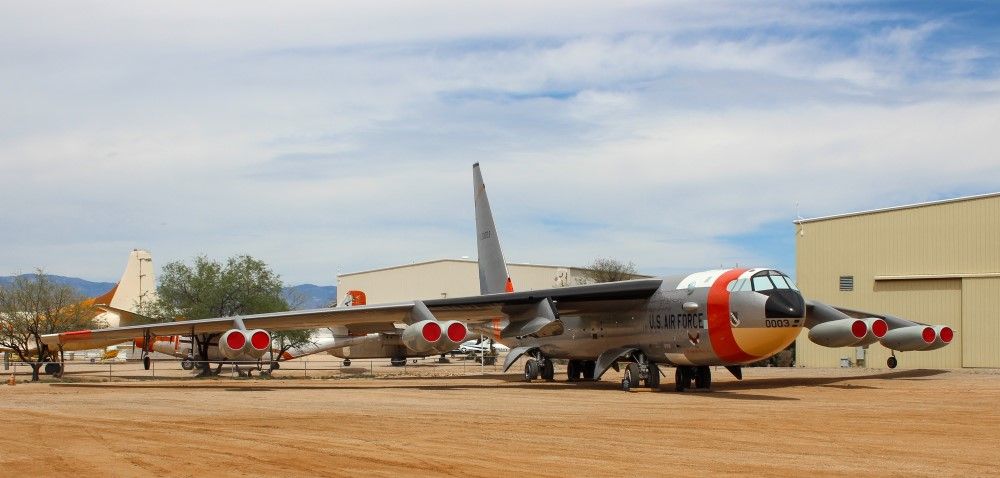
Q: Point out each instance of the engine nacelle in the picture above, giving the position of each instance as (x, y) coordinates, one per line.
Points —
(911, 338)
(840, 333)
(236, 344)
(232, 343)
(431, 336)
(453, 336)
(422, 336)
(943, 336)
(877, 328)
(258, 344)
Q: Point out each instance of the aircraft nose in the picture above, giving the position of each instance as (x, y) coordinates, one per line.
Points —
(784, 304)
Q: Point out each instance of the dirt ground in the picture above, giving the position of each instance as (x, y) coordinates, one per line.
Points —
(457, 421)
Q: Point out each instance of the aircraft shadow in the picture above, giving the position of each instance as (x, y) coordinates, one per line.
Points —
(832, 382)
(729, 390)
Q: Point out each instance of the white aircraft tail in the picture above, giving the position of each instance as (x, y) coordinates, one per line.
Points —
(493, 275)
(136, 287)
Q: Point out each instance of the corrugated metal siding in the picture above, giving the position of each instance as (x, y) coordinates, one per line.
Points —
(980, 322)
(954, 238)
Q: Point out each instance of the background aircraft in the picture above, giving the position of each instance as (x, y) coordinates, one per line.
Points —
(136, 285)
(728, 317)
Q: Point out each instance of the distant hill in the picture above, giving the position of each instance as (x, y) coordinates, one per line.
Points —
(84, 287)
(311, 296)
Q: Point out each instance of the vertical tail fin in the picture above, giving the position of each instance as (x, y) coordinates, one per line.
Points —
(493, 276)
(138, 283)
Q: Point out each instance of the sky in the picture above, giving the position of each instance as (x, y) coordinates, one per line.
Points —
(332, 137)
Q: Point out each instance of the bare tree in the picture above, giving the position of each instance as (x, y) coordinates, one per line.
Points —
(609, 270)
(31, 306)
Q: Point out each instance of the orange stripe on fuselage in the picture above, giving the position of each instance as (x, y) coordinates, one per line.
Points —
(720, 332)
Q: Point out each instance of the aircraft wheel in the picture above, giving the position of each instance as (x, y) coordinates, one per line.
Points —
(53, 369)
(147, 362)
(530, 370)
(631, 378)
(547, 370)
(347, 362)
(588, 369)
(572, 370)
(398, 362)
(703, 377)
(892, 362)
(653, 380)
(187, 364)
(679, 383)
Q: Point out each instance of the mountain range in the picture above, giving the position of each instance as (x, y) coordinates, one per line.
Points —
(302, 296)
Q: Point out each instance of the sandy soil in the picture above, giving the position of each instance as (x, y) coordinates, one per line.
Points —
(455, 421)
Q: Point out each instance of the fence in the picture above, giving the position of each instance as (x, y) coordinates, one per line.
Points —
(307, 367)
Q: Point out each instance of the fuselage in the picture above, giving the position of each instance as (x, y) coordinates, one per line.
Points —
(718, 317)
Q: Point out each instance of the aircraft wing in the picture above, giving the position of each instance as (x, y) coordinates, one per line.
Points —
(360, 320)
(374, 318)
(818, 312)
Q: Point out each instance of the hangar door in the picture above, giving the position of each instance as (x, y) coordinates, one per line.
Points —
(931, 301)
(980, 329)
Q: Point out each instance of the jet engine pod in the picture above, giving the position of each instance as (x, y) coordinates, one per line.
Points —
(914, 337)
(877, 329)
(259, 343)
(840, 333)
(453, 336)
(422, 336)
(232, 343)
(944, 336)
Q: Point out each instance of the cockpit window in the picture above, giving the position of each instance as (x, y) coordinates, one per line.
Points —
(771, 279)
(762, 283)
(738, 285)
(779, 282)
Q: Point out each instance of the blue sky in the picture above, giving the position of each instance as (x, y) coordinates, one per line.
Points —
(339, 136)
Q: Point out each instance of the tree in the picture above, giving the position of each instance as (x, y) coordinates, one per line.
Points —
(243, 285)
(285, 340)
(33, 305)
(609, 270)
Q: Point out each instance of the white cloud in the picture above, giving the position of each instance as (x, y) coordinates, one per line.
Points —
(326, 138)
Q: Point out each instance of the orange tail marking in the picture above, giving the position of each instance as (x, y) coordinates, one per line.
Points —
(510, 285)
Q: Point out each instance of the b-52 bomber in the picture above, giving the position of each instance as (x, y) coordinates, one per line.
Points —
(727, 317)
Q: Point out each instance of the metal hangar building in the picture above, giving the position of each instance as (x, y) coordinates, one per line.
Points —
(936, 262)
(444, 278)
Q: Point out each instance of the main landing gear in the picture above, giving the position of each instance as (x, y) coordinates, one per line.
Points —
(685, 374)
(641, 372)
(539, 366)
(577, 370)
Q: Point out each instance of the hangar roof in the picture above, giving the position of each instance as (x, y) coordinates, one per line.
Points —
(450, 260)
(896, 208)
